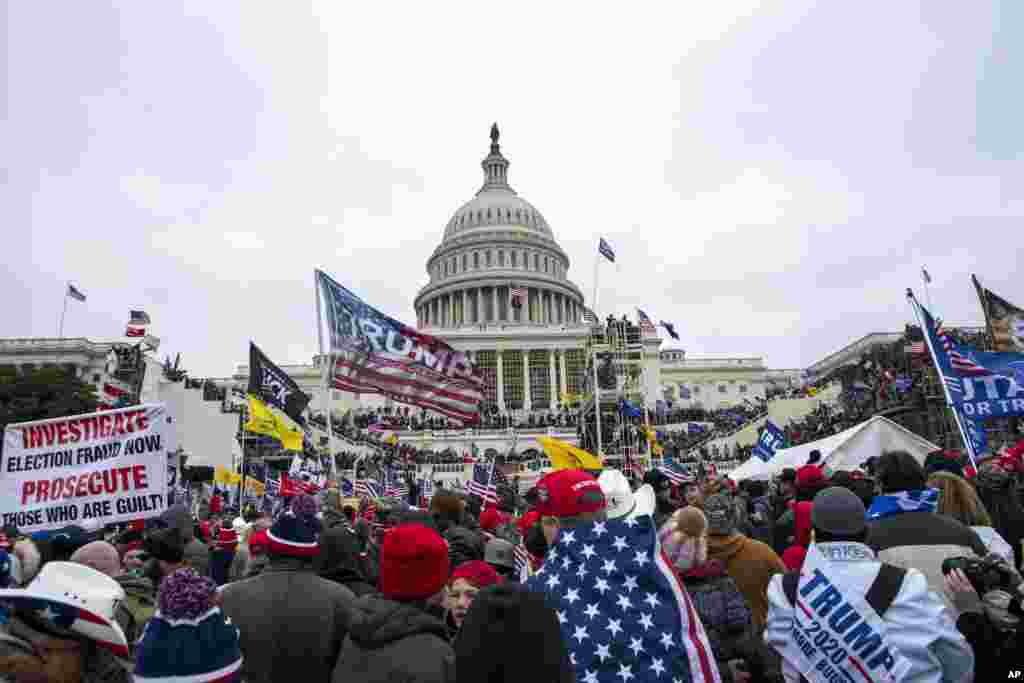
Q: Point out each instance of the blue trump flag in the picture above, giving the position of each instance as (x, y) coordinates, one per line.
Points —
(980, 384)
(771, 440)
(372, 353)
(623, 611)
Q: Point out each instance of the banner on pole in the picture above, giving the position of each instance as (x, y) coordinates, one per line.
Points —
(109, 467)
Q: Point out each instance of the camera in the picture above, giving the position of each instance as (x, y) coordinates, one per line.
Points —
(985, 575)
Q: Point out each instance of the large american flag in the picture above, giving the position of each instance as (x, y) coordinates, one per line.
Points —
(961, 362)
(482, 484)
(624, 614)
(373, 353)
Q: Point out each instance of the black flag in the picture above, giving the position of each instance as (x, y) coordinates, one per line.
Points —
(274, 387)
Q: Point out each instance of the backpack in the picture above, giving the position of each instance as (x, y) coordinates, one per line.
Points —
(880, 596)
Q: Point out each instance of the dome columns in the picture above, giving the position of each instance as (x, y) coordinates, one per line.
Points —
(490, 304)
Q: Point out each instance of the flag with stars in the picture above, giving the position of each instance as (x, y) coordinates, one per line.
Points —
(624, 614)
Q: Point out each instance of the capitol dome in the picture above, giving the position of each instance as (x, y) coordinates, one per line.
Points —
(498, 262)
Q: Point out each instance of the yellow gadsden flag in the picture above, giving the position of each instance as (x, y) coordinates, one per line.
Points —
(565, 456)
(263, 420)
(222, 475)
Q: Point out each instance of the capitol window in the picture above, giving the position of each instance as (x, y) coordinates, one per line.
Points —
(488, 259)
(464, 262)
(476, 259)
(536, 261)
(721, 388)
(696, 391)
(743, 388)
(512, 256)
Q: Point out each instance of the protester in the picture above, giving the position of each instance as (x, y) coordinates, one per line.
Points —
(189, 639)
(222, 555)
(341, 561)
(290, 619)
(166, 551)
(913, 621)
(500, 555)
(567, 498)
(750, 563)
(722, 609)
(45, 641)
(468, 579)
(662, 486)
(959, 500)
(903, 527)
(451, 521)
(621, 500)
(996, 491)
(482, 648)
(794, 555)
(197, 554)
(393, 636)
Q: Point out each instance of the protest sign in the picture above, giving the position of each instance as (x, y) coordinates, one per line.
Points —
(837, 636)
(109, 467)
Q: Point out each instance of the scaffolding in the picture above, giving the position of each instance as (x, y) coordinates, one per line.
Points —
(615, 373)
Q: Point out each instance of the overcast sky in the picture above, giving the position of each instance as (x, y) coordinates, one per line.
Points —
(772, 175)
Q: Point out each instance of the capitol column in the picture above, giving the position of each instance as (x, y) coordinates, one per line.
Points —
(501, 382)
(527, 399)
(494, 300)
(563, 308)
(553, 392)
(465, 301)
(564, 372)
(477, 305)
(451, 309)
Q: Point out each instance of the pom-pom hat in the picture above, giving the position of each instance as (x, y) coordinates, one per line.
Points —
(74, 599)
(413, 563)
(188, 640)
(295, 536)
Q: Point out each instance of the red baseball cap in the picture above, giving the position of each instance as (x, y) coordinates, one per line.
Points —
(567, 493)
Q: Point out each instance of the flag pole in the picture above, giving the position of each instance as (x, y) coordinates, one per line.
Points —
(64, 310)
(925, 278)
(968, 443)
(979, 289)
(593, 360)
(325, 391)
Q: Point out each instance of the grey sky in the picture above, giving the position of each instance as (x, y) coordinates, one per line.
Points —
(772, 175)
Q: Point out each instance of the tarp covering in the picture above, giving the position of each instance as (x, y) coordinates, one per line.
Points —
(843, 451)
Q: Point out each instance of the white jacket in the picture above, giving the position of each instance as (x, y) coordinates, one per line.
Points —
(918, 623)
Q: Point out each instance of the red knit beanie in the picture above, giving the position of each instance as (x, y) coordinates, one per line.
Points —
(478, 573)
(413, 563)
(527, 521)
(491, 519)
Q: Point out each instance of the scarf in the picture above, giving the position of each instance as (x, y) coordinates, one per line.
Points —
(887, 505)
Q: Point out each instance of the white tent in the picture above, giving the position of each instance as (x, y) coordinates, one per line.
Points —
(843, 451)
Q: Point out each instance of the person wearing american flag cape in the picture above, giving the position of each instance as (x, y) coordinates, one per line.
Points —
(623, 611)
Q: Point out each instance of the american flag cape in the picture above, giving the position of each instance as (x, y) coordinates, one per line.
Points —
(623, 611)
(373, 353)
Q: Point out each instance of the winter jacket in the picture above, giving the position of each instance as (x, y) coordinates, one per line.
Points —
(291, 622)
(240, 564)
(917, 623)
(394, 641)
(751, 564)
(722, 609)
(922, 540)
(138, 607)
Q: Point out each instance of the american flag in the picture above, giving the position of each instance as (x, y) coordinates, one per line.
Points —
(396, 488)
(135, 331)
(918, 348)
(675, 474)
(624, 614)
(522, 560)
(605, 250)
(140, 318)
(482, 484)
(646, 326)
(961, 362)
(396, 361)
(517, 295)
(368, 488)
(589, 317)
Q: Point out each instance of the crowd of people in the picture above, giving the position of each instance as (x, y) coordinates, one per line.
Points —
(331, 590)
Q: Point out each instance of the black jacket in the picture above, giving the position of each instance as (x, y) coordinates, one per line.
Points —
(394, 641)
(463, 545)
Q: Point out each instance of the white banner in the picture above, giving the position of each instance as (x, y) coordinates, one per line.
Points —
(109, 466)
(837, 636)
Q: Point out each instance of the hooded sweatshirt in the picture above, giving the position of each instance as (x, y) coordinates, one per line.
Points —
(394, 641)
(751, 564)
